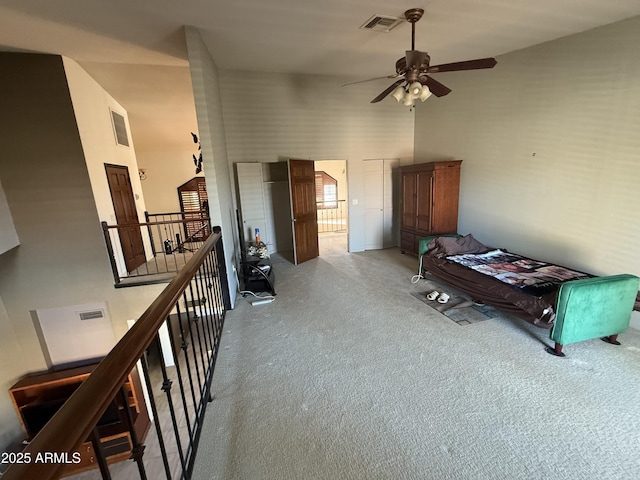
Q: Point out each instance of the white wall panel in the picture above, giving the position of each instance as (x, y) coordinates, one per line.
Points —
(8, 235)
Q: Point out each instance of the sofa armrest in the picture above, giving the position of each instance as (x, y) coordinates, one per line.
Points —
(594, 308)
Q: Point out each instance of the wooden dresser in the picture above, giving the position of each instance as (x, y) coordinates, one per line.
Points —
(38, 397)
(430, 194)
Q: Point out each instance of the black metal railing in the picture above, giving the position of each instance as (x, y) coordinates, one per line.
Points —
(168, 239)
(177, 227)
(177, 377)
(332, 216)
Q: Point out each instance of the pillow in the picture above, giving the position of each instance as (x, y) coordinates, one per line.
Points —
(445, 246)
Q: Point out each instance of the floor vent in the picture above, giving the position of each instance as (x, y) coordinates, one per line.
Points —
(382, 23)
(120, 129)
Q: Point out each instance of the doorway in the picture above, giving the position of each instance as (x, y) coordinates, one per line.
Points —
(126, 213)
(332, 206)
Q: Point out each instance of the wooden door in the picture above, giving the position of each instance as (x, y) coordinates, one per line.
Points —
(126, 216)
(302, 191)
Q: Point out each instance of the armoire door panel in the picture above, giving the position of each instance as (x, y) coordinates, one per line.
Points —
(409, 200)
(445, 200)
(424, 202)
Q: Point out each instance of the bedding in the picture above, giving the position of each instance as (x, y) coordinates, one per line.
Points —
(530, 276)
(519, 285)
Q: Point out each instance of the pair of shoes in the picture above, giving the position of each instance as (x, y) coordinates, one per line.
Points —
(442, 297)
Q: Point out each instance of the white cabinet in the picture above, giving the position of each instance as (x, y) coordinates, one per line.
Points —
(264, 204)
(252, 202)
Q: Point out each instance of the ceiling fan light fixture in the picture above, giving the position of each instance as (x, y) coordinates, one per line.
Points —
(408, 100)
(398, 93)
(426, 93)
(415, 89)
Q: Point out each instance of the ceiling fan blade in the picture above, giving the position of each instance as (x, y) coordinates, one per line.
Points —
(438, 89)
(386, 92)
(466, 65)
(395, 75)
(415, 58)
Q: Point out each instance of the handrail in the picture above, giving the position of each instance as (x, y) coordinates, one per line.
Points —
(176, 213)
(167, 222)
(74, 422)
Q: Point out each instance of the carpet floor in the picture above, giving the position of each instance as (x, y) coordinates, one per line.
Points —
(346, 376)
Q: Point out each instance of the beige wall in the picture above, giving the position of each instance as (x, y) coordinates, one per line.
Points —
(166, 171)
(271, 117)
(551, 148)
(61, 259)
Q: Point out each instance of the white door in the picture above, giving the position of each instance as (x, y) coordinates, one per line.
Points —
(380, 181)
(374, 204)
(252, 205)
(390, 187)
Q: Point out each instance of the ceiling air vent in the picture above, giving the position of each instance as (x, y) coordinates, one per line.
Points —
(120, 129)
(91, 314)
(382, 23)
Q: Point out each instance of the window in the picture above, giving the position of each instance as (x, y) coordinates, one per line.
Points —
(194, 204)
(326, 191)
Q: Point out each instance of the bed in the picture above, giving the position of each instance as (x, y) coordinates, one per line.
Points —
(574, 305)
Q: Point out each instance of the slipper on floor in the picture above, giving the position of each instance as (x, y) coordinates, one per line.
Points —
(433, 295)
(443, 298)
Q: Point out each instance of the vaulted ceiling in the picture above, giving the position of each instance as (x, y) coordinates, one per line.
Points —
(136, 48)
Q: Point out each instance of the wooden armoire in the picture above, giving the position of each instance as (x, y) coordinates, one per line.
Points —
(430, 194)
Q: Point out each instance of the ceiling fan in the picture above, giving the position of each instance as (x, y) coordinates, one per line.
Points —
(415, 83)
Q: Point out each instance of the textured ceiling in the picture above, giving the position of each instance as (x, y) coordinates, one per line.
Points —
(136, 49)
